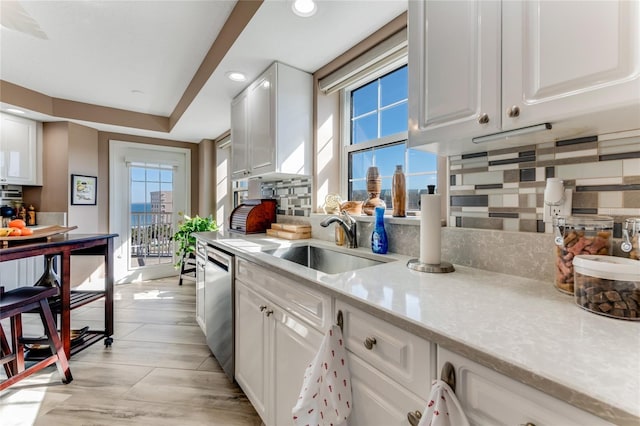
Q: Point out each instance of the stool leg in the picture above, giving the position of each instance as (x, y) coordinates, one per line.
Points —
(54, 341)
(6, 351)
(16, 343)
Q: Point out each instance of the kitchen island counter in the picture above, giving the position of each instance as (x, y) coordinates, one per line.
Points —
(516, 326)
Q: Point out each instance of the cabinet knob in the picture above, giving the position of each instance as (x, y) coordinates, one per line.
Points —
(269, 312)
(514, 111)
(262, 307)
(483, 119)
(369, 342)
(528, 424)
(414, 417)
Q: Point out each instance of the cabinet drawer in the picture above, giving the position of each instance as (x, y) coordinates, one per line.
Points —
(491, 398)
(408, 359)
(378, 400)
(295, 298)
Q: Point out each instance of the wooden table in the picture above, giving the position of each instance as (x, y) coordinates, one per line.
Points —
(65, 246)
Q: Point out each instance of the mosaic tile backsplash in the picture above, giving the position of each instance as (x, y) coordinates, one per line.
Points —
(293, 195)
(503, 189)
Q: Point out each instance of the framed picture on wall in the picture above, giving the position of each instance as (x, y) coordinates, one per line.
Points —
(83, 190)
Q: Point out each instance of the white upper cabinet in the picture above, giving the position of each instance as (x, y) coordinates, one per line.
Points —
(240, 136)
(19, 151)
(271, 125)
(454, 69)
(479, 68)
(562, 59)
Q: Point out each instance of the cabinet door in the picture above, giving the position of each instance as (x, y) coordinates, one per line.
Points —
(377, 400)
(200, 289)
(294, 346)
(566, 58)
(454, 70)
(239, 136)
(18, 155)
(262, 124)
(251, 346)
(490, 398)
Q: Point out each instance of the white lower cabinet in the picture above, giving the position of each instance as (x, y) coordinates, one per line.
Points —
(21, 272)
(490, 398)
(391, 369)
(273, 345)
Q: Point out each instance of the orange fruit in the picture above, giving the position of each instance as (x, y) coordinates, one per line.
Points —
(26, 231)
(17, 223)
(15, 232)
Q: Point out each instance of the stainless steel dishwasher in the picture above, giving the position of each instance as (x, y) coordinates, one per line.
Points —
(219, 307)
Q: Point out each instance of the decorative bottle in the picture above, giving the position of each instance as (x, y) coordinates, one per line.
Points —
(379, 243)
(399, 192)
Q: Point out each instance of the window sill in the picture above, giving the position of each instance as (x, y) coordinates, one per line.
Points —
(388, 219)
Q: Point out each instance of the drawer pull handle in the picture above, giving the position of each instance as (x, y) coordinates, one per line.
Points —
(448, 375)
(414, 417)
(269, 312)
(263, 307)
(369, 342)
(483, 119)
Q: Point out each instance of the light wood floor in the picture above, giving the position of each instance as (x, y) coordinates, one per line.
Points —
(159, 370)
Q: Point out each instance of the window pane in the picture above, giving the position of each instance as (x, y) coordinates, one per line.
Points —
(153, 175)
(166, 187)
(364, 99)
(137, 192)
(393, 87)
(417, 185)
(388, 157)
(364, 129)
(137, 174)
(421, 161)
(166, 175)
(151, 187)
(358, 190)
(386, 191)
(394, 120)
(360, 162)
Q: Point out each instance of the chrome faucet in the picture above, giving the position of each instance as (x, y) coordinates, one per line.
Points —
(348, 224)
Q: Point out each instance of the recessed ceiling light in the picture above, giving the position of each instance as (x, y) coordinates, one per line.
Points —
(236, 76)
(15, 111)
(304, 8)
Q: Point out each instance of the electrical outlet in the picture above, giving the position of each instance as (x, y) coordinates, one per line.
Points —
(563, 209)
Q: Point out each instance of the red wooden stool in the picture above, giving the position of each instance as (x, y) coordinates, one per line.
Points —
(13, 304)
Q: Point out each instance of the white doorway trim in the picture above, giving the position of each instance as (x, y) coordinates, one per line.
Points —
(121, 153)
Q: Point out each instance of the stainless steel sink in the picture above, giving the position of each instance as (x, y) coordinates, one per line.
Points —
(323, 259)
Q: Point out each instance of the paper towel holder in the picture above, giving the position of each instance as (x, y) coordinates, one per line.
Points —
(442, 267)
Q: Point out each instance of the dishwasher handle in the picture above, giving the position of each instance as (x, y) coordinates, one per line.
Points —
(221, 260)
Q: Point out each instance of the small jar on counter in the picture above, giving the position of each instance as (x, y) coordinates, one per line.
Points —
(631, 238)
(576, 235)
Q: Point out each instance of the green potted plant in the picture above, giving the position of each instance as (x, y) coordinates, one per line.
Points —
(185, 242)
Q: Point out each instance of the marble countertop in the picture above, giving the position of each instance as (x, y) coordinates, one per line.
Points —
(520, 327)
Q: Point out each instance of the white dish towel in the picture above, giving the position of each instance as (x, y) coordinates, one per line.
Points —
(443, 408)
(325, 397)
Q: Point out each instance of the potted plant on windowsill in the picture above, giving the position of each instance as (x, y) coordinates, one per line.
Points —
(185, 242)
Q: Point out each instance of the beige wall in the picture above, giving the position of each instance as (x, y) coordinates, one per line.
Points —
(207, 169)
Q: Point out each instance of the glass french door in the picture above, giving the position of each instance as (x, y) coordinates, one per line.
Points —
(149, 193)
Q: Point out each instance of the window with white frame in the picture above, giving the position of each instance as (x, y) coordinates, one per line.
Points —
(375, 134)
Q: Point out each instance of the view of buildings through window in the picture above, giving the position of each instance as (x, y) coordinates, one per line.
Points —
(379, 120)
(151, 205)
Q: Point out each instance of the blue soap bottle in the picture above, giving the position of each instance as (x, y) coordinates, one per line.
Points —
(379, 243)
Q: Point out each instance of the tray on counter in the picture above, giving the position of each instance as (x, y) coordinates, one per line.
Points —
(41, 233)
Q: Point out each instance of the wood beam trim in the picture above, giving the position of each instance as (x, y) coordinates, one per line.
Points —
(238, 19)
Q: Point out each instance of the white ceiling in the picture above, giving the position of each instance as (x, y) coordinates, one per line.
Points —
(103, 52)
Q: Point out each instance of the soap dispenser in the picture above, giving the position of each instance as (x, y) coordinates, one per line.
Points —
(379, 242)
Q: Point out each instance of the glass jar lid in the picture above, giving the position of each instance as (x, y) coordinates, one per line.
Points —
(586, 222)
